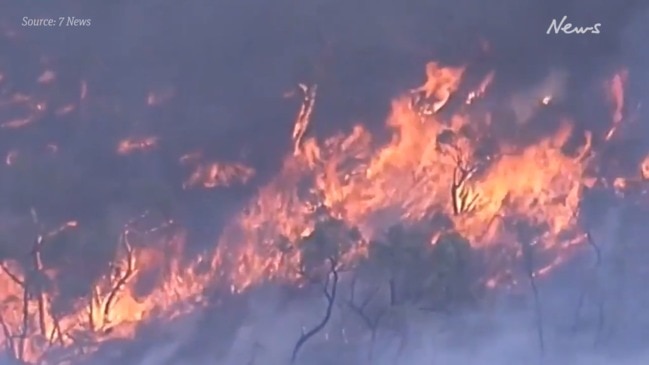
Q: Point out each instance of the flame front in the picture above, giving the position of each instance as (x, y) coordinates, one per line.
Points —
(433, 165)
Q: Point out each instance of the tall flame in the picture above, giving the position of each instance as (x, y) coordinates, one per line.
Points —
(432, 165)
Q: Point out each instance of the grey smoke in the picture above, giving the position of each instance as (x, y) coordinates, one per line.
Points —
(242, 55)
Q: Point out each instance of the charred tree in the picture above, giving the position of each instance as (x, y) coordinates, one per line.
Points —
(371, 321)
(329, 290)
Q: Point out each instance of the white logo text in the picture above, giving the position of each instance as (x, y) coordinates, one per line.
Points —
(568, 28)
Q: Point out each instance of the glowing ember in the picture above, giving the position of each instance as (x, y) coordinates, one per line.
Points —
(218, 175)
(129, 146)
(47, 77)
(440, 84)
(616, 95)
(480, 91)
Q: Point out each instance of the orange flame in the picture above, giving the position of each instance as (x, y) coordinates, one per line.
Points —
(352, 184)
(426, 167)
(616, 95)
(440, 84)
(130, 145)
(218, 175)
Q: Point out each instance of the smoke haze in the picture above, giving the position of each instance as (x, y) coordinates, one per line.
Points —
(224, 69)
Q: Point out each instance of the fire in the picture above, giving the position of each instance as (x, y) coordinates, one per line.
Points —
(440, 84)
(17, 123)
(213, 175)
(304, 116)
(46, 77)
(351, 183)
(616, 95)
(130, 145)
(429, 166)
(482, 88)
(546, 100)
(31, 110)
(113, 309)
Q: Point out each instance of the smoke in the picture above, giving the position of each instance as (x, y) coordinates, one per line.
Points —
(593, 312)
(506, 335)
(526, 104)
(230, 62)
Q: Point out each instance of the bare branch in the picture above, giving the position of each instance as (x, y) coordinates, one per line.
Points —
(596, 249)
(459, 196)
(372, 323)
(12, 276)
(393, 292)
(36, 283)
(583, 292)
(25, 324)
(122, 278)
(92, 302)
(330, 295)
(528, 257)
(8, 336)
(359, 309)
(303, 119)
